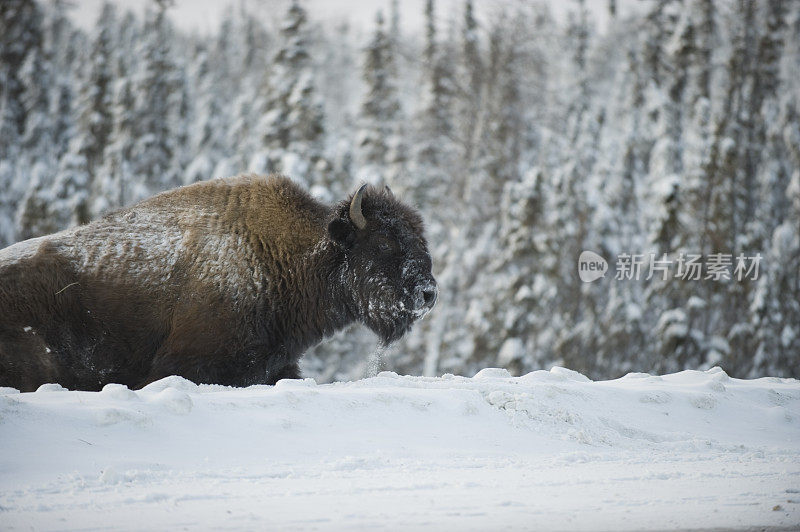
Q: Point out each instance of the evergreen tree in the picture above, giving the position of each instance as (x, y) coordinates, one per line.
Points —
(775, 157)
(20, 36)
(435, 150)
(34, 216)
(208, 143)
(529, 138)
(119, 185)
(504, 126)
(61, 44)
(36, 166)
(71, 202)
(157, 83)
(291, 126)
(94, 114)
(35, 76)
(471, 85)
(380, 108)
(517, 268)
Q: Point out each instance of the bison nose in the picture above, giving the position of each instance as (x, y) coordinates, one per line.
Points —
(430, 296)
(425, 296)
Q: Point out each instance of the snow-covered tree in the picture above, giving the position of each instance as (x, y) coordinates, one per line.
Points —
(292, 122)
(380, 108)
(20, 36)
(208, 144)
(435, 150)
(94, 122)
(523, 137)
(157, 82)
(471, 85)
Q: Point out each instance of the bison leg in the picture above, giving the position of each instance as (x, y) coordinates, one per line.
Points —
(25, 360)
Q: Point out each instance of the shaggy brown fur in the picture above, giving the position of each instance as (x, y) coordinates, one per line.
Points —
(226, 281)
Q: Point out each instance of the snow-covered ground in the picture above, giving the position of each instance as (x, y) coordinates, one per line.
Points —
(550, 450)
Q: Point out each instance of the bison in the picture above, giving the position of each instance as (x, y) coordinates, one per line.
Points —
(226, 281)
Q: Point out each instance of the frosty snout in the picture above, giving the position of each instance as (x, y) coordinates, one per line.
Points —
(425, 295)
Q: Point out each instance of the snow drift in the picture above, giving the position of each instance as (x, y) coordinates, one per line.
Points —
(549, 450)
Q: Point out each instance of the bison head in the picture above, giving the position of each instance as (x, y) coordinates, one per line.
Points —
(386, 268)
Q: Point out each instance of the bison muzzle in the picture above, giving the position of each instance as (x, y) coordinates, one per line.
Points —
(226, 281)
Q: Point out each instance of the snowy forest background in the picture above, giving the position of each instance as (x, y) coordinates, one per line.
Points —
(523, 137)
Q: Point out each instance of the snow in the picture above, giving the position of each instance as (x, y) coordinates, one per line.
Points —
(527, 134)
(548, 450)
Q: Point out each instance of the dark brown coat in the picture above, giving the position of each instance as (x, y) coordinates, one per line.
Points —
(226, 281)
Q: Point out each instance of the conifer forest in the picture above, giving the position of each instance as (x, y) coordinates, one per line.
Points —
(665, 140)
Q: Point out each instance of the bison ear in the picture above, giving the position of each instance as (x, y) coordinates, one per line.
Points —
(342, 232)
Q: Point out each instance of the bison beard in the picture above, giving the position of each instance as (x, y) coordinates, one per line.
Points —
(226, 281)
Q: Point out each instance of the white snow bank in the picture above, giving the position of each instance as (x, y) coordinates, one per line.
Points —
(549, 450)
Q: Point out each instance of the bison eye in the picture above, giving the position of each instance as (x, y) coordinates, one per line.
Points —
(384, 247)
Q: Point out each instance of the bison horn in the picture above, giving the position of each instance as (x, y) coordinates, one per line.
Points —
(356, 216)
(388, 190)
